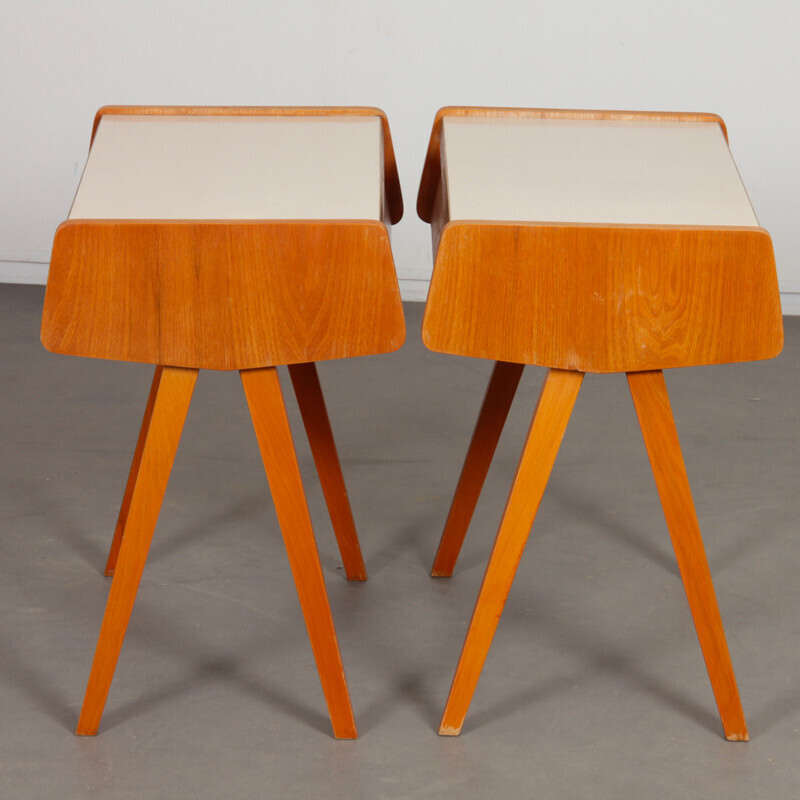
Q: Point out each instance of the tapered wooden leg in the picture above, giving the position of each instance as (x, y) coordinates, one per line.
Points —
(265, 399)
(171, 403)
(541, 447)
(650, 397)
(318, 429)
(119, 531)
(494, 410)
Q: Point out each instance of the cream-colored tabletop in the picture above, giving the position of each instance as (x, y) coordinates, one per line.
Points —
(233, 167)
(626, 172)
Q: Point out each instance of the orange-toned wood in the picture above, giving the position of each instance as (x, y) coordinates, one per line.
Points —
(650, 397)
(432, 171)
(394, 198)
(541, 447)
(604, 299)
(491, 419)
(172, 400)
(323, 448)
(265, 399)
(119, 531)
(222, 295)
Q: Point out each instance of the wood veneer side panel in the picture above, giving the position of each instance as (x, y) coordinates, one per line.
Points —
(432, 170)
(604, 299)
(222, 296)
(394, 196)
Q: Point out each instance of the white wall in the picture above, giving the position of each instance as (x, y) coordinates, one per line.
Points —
(63, 59)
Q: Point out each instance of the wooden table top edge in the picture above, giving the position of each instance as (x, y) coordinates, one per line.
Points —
(478, 223)
(394, 196)
(82, 221)
(431, 171)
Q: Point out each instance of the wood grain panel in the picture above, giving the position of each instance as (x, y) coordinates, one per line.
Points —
(222, 295)
(394, 197)
(604, 299)
(432, 171)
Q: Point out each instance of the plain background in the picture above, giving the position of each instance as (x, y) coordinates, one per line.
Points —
(64, 59)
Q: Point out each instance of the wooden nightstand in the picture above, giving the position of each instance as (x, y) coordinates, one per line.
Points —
(230, 239)
(589, 241)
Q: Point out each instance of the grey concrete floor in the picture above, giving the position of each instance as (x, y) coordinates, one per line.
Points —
(594, 687)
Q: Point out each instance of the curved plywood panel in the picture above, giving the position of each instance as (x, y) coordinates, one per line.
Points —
(222, 295)
(604, 299)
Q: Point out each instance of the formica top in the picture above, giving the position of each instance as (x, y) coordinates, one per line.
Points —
(233, 167)
(616, 172)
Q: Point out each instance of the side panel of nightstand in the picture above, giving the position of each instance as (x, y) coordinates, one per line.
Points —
(604, 299)
(222, 295)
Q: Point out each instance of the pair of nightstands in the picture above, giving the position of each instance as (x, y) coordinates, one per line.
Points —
(247, 238)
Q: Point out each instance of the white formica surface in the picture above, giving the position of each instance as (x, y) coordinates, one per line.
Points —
(237, 167)
(592, 171)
